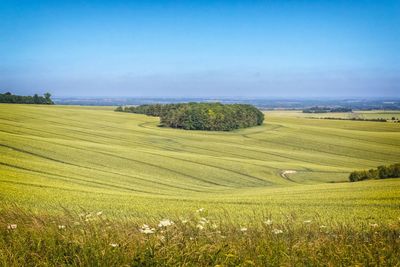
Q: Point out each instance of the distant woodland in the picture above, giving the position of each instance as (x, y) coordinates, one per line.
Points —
(201, 116)
(326, 110)
(19, 99)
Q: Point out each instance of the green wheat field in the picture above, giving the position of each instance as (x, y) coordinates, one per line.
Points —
(78, 183)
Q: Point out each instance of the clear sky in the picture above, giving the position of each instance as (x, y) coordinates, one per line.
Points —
(201, 48)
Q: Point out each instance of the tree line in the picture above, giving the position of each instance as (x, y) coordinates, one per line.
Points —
(202, 116)
(382, 172)
(155, 110)
(19, 99)
(326, 110)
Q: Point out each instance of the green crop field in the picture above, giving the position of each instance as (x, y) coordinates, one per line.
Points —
(86, 160)
(92, 157)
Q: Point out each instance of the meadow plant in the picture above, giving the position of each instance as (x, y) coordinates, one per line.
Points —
(40, 240)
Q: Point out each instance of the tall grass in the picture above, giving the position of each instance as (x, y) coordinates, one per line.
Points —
(90, 158)
(91, 239)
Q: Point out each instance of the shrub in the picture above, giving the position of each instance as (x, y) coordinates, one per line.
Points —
(382, 172)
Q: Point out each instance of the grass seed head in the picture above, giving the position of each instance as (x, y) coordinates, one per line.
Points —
(12, 226)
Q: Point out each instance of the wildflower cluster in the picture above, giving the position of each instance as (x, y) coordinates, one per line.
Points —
(194, 238)
(145, 229)
(165, 223)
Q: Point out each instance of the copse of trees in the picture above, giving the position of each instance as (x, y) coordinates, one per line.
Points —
(212, 117)
(382, 172)
(202, 116)
(18, 99)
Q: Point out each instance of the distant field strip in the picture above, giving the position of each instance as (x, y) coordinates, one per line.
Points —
(96, 158)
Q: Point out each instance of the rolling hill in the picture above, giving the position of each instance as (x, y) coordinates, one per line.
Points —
(95, 159)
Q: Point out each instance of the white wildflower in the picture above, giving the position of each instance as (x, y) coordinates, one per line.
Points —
(268, 222)
(200, 226)
(307, 221)
(203, 221)
(200, 210)
(146, 229)
(114, 245)
(322, 226)
(165, 223)
(277, 231)
(374, 225)
(99, 213)
(243, 229)
(12, 226)
(61, 226)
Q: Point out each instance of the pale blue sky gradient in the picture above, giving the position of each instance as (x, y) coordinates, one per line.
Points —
(201, 48)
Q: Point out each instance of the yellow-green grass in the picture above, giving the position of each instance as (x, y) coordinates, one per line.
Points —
(77, 183)
(91, 239)
(91, 158)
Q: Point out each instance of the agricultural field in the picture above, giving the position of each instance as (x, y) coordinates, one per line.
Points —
(64, 163)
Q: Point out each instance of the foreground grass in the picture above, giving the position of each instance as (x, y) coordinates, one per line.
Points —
(91, 239)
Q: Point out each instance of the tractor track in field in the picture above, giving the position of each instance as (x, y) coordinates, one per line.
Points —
(142, 125)
(284, 175)
(130, 159)
(193, 177)
(248, 136)
(95, 169)
(216, 167)
(78, 180)
(300, 147)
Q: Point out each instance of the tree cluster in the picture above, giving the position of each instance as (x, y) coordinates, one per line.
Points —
(382, 172)
(202, 116)
(326, 110)
(19, 99)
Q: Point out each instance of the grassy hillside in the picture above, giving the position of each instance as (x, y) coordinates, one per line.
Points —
(77, 183)
(94, 158)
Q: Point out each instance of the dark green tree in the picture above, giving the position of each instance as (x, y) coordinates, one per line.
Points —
(202, 116)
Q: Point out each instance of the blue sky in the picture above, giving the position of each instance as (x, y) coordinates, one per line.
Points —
(201, 48)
